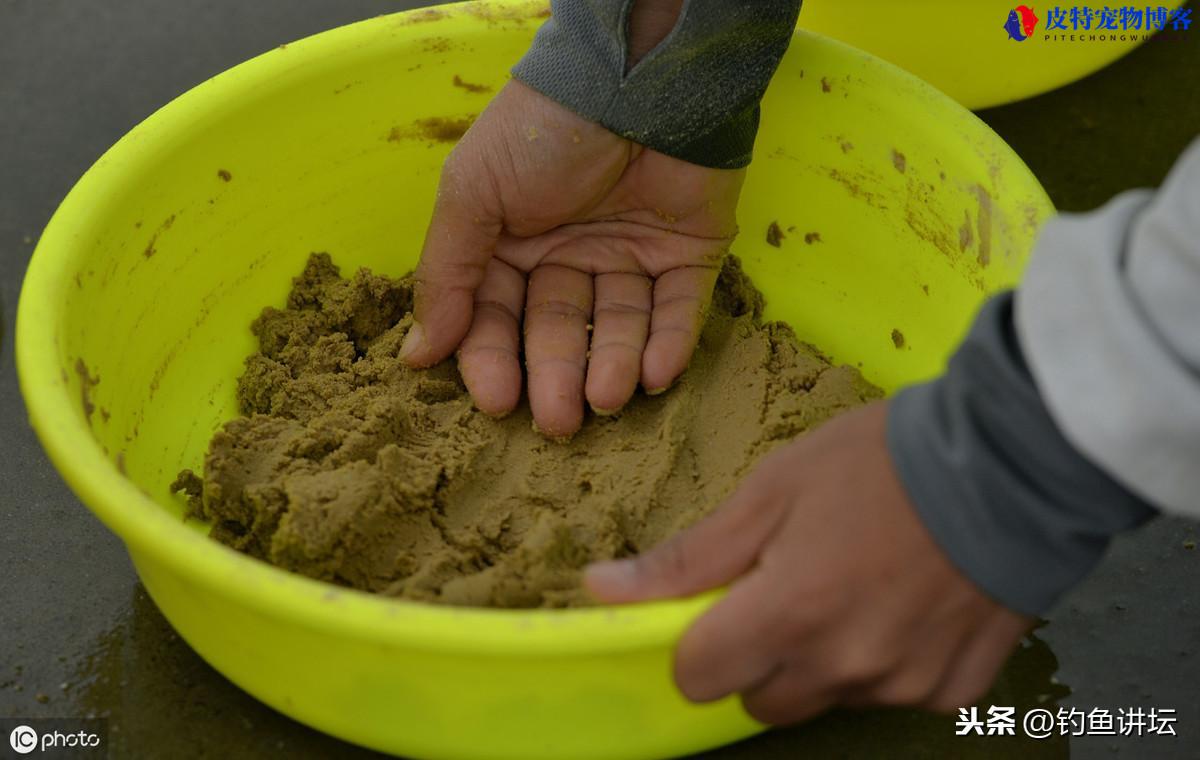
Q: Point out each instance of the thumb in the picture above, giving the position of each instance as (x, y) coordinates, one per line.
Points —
(459, 243)
(712, 553)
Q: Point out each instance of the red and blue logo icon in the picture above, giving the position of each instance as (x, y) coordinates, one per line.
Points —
(1021, 23)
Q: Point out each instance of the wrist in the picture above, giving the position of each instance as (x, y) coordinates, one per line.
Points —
(1013, 505)
(697, 83)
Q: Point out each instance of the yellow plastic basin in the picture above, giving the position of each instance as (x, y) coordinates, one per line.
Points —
(962, 49)
(133, 325)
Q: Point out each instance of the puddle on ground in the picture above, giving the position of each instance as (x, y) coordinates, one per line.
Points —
(1025, 683)
(162, 699)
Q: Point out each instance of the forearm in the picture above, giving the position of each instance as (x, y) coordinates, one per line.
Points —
(694, 96)
(1072, 412)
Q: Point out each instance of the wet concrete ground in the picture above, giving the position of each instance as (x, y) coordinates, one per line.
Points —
(78, 635)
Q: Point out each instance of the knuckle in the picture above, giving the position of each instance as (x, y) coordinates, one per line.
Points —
(686, 299)
(682, 333)
(490, 305)
(812, 605)
(671, 560)
(620, 308)
(499, 353)
(858, 665)
(450, 274)
(911, 688)
(572, 365)
(799, 619)
(557, 307)
(616, 345)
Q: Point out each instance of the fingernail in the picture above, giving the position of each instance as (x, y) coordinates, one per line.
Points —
(613, 575)
(657, 391)
(495, 415)
(413, 341)
(551, 436)
(605, 412)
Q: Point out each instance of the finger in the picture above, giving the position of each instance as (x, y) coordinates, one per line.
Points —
(488, 358)
(681, 298)
(557, 310)
(788, 696)
(734, 646)
(914, 682)
(621, 324)
(458, 244)
(973, 672)
(711, 553)
(917, 662)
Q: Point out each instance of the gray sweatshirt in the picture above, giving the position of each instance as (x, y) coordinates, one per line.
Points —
(695, 96)
(1071, 411)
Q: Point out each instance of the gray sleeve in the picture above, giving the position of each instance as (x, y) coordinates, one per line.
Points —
(695, 96)
(1072, 410)
(1109, 317)
(1003, 493)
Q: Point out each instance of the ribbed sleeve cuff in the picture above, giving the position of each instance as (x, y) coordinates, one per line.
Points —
(1013, 505)
(694, 97)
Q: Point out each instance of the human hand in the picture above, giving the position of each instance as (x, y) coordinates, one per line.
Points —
(606, 251)
(839, 595)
